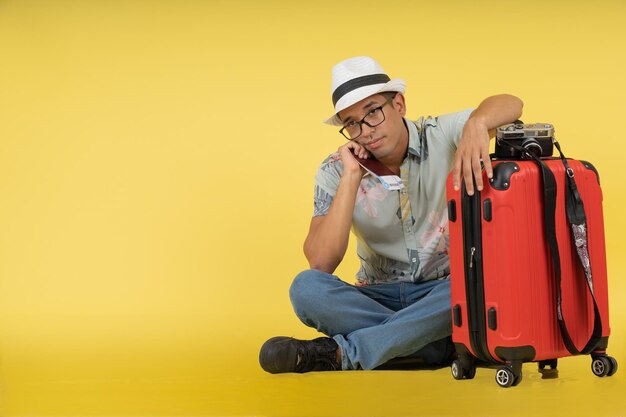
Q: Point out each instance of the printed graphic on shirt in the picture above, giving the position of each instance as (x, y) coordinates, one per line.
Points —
(321, 202)
(433, 240)
(367, 196)
(327, 178)
(435, 245)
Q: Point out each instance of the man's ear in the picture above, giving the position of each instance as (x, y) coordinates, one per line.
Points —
(399, 104)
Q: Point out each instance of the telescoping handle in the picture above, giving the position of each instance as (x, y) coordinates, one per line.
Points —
(578, 222)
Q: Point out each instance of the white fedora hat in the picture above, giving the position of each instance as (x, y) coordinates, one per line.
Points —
(357, 78)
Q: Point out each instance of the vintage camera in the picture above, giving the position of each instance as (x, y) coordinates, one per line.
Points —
(536, 138)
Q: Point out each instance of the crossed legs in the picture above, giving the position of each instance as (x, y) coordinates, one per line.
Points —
(376, 323)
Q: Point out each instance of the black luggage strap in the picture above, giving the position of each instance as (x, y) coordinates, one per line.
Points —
(577, 220)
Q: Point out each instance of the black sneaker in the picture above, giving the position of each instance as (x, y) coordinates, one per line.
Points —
(286, 354)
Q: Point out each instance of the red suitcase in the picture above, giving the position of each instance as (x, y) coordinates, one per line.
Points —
(504, 289)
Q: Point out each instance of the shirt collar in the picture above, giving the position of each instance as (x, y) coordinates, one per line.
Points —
(417, 133)
(414, 138)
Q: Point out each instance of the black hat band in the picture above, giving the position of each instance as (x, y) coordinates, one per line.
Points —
(358, 82)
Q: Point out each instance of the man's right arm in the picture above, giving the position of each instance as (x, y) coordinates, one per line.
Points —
(327, 241)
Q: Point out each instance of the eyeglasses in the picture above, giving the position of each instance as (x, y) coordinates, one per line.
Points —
(373, 118)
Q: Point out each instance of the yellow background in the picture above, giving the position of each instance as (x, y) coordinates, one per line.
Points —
(156, 177)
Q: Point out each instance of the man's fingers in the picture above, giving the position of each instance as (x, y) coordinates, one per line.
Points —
(350, 148)
(361, 152)
(484, 153)
(348, 159)
(476, 169)
(467, 176)
(357, 150)
(487, 164)
(467, 163)
(354, 148)
(456, 173)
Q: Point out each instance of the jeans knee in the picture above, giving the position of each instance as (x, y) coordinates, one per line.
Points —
(300, 287)
(305, 288)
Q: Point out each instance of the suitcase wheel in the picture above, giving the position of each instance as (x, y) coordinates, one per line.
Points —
(603, 365)
(460, 372)
(470, 373)
(613, 366)
(506, 378)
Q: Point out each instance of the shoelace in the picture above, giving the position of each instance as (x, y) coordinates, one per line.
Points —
(316, 358)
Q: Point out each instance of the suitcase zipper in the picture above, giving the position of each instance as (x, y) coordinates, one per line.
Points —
(474, 285)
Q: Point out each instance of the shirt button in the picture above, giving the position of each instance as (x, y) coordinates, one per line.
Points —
(414, 260)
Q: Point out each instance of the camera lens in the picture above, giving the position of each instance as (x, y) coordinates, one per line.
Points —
(532, 146)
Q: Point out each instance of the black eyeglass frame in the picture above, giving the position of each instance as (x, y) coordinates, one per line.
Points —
(362, 121)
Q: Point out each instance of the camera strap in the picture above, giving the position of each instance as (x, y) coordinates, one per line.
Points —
(577, 220)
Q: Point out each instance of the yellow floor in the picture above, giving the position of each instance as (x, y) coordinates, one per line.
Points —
(188, 382)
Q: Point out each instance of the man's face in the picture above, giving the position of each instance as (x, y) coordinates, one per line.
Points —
(385, 139)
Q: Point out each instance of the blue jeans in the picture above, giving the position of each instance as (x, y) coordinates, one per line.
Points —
(376, 323)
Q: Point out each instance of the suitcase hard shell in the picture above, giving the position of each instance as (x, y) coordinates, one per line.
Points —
(502, 279)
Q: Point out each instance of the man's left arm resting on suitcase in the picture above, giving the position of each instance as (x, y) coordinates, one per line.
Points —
(473, 147)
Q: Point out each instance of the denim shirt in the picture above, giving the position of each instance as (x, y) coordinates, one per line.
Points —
(402, 235)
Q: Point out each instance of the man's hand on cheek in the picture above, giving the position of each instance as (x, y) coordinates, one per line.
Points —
(347, 153)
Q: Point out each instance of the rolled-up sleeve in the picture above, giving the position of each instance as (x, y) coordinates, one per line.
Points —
(326, 184)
